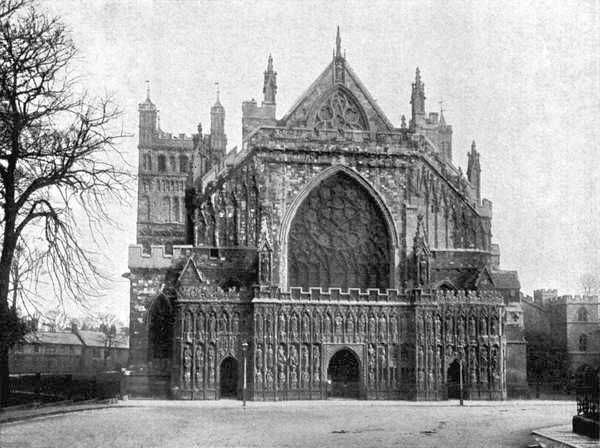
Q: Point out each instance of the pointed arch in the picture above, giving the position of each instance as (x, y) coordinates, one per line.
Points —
(292, 210)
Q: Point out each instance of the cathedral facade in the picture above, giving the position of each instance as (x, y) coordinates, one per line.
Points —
(333, 254)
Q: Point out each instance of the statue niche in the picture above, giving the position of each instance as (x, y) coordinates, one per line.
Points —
(339, 238)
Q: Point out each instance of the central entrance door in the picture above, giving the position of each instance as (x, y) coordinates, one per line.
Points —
(229, 378)
(344, 374)
(453, 380)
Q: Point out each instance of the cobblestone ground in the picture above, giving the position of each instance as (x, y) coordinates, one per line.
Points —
(145, 424)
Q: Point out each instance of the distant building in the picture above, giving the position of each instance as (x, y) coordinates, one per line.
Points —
(573, 321)
(64, 352)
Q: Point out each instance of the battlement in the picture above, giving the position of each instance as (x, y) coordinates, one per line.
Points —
(158, 258)
(355, 295)
(575, 299)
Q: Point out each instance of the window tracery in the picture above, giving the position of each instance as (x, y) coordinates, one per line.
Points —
(339, 238)
(340, 112)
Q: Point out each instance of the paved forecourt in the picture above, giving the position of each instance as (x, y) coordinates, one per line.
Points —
(293, 424)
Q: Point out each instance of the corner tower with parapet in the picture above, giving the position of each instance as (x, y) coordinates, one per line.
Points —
(334, 254)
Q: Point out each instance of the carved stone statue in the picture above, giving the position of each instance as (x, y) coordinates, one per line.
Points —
(472, 327)
(350, 328)
(259, 325)
(327, 327)
(393, 329)
(316, 365)
(187, 367)
(211, 365)
(200, 325)
(293, 366)
(281, 365)
(382, 327)
(235, 323)
(199, 365)
(483, 327)
(338, 326)
(437, 323)
(305, 326)
(294, 326)
(371, 363)
(270, 356)
(372, 329)
(212, 324)
(281, 326)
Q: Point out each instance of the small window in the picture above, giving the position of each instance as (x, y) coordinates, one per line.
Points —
(175, 209)
(162, 163)
(583, 342)
(36, 348)
(172, 163)
(582, 315)
(183, 164)
(148, 162)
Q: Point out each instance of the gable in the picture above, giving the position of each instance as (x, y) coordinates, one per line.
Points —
(484, 280)
(190, 275)
(337, 99)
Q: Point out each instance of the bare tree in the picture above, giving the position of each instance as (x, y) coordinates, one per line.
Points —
(58, 162)
(590, 284)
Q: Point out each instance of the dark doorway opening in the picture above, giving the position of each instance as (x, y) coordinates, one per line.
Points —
(453, 380)
(344, 374)
(229, 378)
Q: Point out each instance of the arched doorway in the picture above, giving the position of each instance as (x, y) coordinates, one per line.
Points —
(453, 380)
(343, 373)
(339, 238)
(228, 378)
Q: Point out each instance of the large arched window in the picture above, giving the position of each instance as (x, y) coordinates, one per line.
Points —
(583, 343)
(339, 238)
(582, 315)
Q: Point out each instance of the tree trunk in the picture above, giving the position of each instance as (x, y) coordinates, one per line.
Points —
(4, 378)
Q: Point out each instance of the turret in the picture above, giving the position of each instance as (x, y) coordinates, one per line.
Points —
(445, 137)
(339, 61)
(270, 84)
(218, 139)
(474, 171)
(148, 119)
(417, 101)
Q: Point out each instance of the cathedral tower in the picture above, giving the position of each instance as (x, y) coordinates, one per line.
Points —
(148, 118)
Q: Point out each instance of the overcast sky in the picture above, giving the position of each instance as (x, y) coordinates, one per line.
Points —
(520, 78)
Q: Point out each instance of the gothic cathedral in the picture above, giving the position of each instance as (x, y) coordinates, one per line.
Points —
(332, 255)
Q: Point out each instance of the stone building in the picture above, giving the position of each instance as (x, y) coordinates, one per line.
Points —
(572, 321)
(332, 254)
(82, 352)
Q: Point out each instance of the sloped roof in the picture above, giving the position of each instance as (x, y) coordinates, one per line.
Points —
(506, 279)
(93, 338)
(52, 337)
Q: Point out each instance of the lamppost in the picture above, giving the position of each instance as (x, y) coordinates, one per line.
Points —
(244, 351)
(460, 378)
